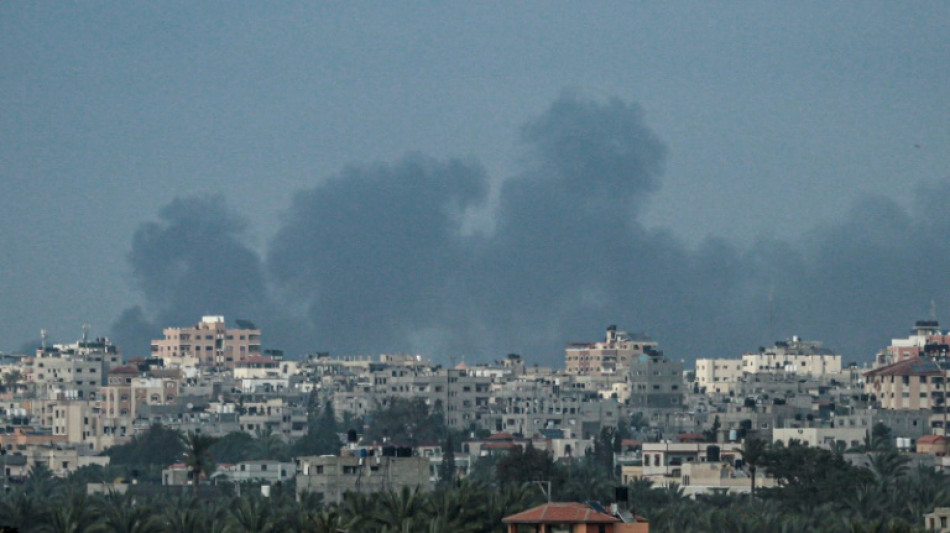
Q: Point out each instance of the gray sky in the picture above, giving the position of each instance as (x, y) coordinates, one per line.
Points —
(779, 127)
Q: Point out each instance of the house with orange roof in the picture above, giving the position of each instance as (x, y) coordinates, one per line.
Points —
(572, 517)
(933, 445)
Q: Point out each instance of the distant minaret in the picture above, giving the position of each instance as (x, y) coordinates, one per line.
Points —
(85, 332)
(933, 310)
(43, 337)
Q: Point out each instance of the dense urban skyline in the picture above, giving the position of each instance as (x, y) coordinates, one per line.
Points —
(476, 180)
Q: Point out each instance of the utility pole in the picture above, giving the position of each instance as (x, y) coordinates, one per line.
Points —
(545, 487)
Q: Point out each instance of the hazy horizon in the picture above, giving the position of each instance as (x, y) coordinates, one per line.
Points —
(470, 180)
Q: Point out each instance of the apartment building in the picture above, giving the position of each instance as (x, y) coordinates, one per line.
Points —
(611, 356)
(915, 383)
(793, 357)
(926, 336)
(655, 381)
(74, 370)
(210, 342)
(718, 375)
(273, 415)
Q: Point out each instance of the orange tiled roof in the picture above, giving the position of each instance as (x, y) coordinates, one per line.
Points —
(930, 439)
(561, 513)
(499, 446)
(504, 435)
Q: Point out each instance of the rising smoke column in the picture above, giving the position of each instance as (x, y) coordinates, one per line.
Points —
(375, 259)
(371, 256)
(191, 262)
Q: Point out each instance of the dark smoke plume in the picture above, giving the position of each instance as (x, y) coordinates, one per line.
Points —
(188, 264)
(376, 260)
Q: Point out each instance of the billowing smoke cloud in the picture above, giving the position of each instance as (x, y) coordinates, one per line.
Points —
(376, 260)
(190, 263)
(372, 256)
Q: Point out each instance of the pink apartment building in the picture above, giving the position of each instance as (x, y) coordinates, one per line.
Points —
(210, 343)
(612, 356)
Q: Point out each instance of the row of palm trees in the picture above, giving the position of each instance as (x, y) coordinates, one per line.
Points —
(894, 500)
(888, 496)
(463, 508)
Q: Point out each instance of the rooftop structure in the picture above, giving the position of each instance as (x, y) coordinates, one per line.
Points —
(612, 356)
(926, 338)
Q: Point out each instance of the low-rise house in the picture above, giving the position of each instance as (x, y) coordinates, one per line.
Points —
(177, 474)
(265, 471)
(332, 476)
(933, 445)
(22, 437)
(938, 520)
(821, 437)
(62, 461)
(573, 517)
(666, 459)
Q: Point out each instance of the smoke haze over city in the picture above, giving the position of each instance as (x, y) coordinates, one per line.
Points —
(365, 181)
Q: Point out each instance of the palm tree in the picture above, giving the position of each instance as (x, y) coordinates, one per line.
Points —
(72, 514)
(40, 481)
(586, 480)
(253, 514)
(359, 510)
(198, 456)
(888, 465)
(400, 508)
(23, 511)
(181, 515)
(320, 521)
(268, 445)
(753, 453)
(120, 513)
(508, 500)
(12, 379)
(456, 508)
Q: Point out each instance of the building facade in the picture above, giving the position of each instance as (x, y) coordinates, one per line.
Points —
(332, 476)
(209, 342)
(612, 356)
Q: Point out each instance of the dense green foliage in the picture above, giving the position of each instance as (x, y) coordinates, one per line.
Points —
(817, 490)
(233, 448)
(145, 455)
(322, 436)
(888, 497)
(407, 421)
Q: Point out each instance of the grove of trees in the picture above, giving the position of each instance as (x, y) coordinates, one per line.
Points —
(817, 490)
